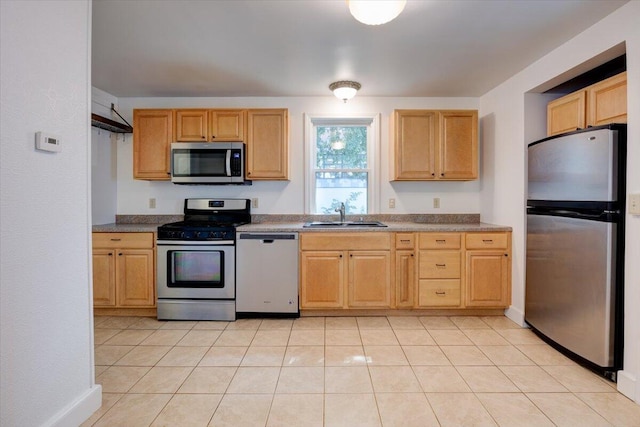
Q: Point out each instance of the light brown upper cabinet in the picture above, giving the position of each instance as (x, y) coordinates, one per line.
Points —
(193, 125)
(267, 144)
(152, 135)
(435, 145)
(607, 101)
(599, 104)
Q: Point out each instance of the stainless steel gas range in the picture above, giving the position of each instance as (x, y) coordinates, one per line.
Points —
(196, 278)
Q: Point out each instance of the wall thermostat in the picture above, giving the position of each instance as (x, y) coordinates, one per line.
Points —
(47, 142)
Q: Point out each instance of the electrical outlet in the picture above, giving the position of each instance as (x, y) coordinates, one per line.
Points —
(436, 202)
(152, 203)
(634, 204)
(254, 203)
(392, 203)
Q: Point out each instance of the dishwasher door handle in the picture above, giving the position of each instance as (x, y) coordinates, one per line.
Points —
(267, 237)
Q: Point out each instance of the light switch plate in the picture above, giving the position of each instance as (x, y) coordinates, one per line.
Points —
(634, 204)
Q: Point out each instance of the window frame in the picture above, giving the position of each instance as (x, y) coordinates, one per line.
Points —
(372, 121)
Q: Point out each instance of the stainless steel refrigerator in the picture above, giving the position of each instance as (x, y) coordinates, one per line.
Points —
(575, 244)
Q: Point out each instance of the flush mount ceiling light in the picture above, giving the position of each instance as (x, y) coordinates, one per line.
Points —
(344, 89)
(376, 12)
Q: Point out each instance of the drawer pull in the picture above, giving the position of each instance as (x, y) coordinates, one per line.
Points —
(440, 293)
(115, 240)
(441, 265)
(405, 241)
(441, 241)
(487, 240)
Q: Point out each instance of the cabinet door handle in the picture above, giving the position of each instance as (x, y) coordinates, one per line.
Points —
(110, 254)
(213, 136)
(411, 254)
(441, 174)
(120, 254)
(340, 255)
(115, 240)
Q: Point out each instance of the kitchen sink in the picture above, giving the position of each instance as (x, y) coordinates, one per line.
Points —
(348, 224)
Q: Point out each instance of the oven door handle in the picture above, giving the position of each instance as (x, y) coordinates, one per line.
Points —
(195, 242)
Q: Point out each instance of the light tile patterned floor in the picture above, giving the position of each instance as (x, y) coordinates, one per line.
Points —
(344, 371)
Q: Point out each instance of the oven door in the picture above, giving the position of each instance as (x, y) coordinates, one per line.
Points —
(196, 270)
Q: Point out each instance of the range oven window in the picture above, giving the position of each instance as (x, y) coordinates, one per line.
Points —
(195, 269)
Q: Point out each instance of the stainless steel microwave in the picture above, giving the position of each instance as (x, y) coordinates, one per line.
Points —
(207, 163)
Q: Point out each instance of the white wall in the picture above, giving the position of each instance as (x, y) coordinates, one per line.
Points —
(507, 126)
(103, 161)
(103, 176)
(45, 294)
(288, 197)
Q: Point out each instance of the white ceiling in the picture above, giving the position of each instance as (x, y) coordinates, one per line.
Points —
(219, 48)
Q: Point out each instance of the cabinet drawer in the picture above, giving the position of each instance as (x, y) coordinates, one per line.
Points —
(439, 293)
(439, 265)
(439, 240)
(486, 241)
(122, 240)
(345, 241)
(405, 240)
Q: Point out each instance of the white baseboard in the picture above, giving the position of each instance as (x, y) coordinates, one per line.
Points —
(627, 385)
(79, 410)
(515, 314)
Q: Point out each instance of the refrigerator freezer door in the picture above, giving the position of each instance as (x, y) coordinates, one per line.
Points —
(577, 167)
(570, 284)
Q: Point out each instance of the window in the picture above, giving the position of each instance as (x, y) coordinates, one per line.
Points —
(341, 164)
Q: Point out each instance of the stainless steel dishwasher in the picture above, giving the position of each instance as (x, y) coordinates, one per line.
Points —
(267, 274)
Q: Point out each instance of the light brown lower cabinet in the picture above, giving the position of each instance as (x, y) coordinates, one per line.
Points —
(322, 274)
(488, 272)
(123, 270)
(345, 270)
(405, 278)
(439, 270)
(453, 270)
(369, 279)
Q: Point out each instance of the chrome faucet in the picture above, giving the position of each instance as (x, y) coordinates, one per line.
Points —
(341, 209)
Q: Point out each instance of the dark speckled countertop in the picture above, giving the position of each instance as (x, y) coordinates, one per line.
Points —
(274, 227)
(294, 223)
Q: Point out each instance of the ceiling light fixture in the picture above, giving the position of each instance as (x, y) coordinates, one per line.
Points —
(344, 89)
(376, 12)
